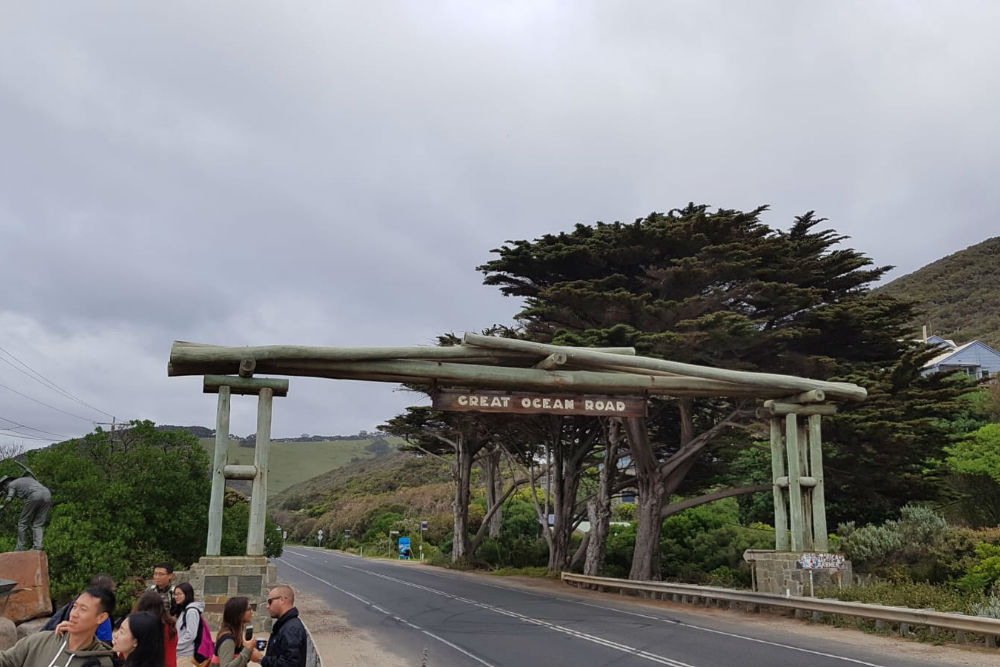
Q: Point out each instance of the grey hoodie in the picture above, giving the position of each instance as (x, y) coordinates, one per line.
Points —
(187, 628)
(47, 649)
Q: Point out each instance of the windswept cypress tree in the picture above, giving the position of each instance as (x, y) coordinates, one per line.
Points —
(720, 289)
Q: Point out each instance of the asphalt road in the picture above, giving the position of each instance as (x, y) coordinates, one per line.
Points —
(452, 619)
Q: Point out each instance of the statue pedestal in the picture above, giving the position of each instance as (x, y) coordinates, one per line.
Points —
(30, 599)
(790, 572)
(215, 579)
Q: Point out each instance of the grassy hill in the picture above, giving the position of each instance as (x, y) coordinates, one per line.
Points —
(958, 297)
(401, 485)
(292, 462)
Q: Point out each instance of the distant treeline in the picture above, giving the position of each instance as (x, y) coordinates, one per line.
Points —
(203, 432)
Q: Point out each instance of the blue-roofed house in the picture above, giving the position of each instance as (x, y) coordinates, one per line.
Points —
(975, 358)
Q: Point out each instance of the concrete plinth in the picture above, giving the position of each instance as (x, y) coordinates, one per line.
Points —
(781, 572)
(215, 579)
(30, 569)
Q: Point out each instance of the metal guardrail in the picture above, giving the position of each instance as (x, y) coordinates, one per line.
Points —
(988, 627)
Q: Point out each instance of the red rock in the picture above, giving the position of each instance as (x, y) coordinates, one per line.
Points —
(30, 569)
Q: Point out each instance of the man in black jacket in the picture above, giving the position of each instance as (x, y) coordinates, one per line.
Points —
(287, 645)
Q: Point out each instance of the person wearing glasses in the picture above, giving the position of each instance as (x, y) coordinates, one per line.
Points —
(287, 645)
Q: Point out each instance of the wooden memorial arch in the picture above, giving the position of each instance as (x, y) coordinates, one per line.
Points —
(490, 374)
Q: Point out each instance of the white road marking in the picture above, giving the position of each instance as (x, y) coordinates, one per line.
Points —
(671, 622)
(631, 650)
(397, 618)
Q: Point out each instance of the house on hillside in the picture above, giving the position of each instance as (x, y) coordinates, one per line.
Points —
(975, 358)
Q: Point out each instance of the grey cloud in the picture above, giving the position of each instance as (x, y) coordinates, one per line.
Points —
(332, 174)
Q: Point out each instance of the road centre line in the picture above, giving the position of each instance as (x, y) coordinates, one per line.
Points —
(631, 650)
(372, 605)
(676, 622)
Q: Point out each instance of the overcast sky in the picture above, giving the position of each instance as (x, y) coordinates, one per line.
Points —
(332, 173)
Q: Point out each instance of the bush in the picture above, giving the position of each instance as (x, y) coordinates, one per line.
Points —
(915, 595)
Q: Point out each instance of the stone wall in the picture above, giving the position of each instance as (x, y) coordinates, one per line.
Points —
(215, 579)
(778, 572)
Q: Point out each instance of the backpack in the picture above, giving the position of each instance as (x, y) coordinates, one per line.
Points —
(204, 647)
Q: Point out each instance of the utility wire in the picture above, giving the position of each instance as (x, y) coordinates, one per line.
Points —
(41, 379)
(21, 435)
(18, 425)
(89, 421)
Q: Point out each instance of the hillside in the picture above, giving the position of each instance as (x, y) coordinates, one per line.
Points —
(292, 462)
(397, 487)
(957, 297)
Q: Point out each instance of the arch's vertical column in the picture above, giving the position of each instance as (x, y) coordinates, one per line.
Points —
(794, 484)
(820, 536)
(214, 544)
(777, 477)
(258, 498)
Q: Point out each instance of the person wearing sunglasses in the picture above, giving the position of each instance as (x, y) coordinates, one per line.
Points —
(287, 644)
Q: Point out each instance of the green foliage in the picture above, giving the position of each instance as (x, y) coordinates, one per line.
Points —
(520, 544)
(120, 505)
(985, 573)
(708, 539)
(886, 452)
(978, 454)
(915, 595)
(624, 512)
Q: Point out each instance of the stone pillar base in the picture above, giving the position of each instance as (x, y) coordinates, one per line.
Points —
(780, 573)
(215, 579)
(30, 599)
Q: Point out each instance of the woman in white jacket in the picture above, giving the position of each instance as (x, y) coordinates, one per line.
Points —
(188, 613)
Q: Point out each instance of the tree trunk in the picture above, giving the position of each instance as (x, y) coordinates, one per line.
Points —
(646, 558)
(651, 496)
(599, 507)
(462, 473)
(567, 469)
(494, 490)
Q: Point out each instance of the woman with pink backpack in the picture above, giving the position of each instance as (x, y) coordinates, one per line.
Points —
(194, 640)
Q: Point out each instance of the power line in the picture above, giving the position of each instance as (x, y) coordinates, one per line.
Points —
(30, 428)
(89, 421)
(21, 435)
(44, 381)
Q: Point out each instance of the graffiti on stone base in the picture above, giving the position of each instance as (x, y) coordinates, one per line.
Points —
(820, 562)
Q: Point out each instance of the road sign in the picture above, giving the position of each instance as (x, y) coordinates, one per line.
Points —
(534, 403)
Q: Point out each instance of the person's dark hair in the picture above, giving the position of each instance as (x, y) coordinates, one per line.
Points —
(232, 620)
(148, 632)
(151, 602)
(166, 566)
(103, 580)
(105, 596)
(188, 594)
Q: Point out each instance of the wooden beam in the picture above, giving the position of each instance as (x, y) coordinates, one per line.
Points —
(552, 361)
(794, 488)
(769, 381)
(776, 408)
(247, 367)
(818, 492)
(186, 358)
(258, 492)
(777, 473)
(213, 546)
(245, 386)
(240, 472)
(504, 377)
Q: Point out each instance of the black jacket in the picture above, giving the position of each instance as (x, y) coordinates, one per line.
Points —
(287, 644)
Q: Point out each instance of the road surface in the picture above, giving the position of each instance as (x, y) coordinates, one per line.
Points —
(443, 618)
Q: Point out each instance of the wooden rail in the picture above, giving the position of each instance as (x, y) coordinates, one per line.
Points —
(904, 616)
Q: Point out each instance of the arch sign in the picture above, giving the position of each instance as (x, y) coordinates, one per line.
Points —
(493, 374)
